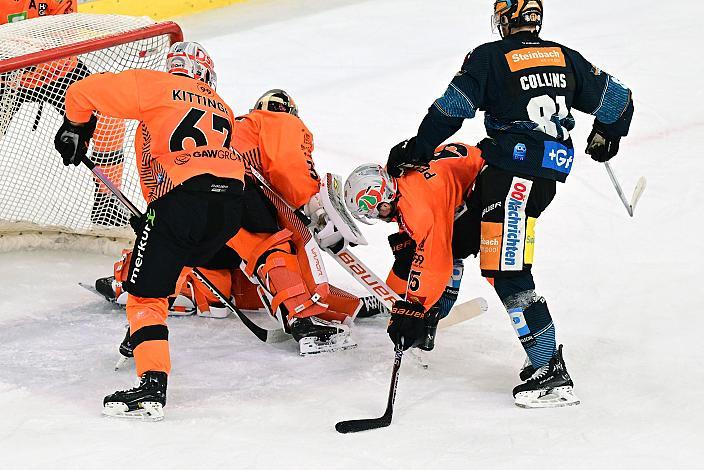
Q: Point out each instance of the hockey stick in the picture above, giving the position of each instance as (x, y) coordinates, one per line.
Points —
(353, 265)
(357, 425)
(38, 117)
(637, 192)
(375, 285)
(268, 336)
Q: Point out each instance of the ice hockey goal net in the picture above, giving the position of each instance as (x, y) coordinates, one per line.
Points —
(40, 199)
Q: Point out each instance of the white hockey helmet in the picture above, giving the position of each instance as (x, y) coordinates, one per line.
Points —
(192, 60)
(368, 186)
(276, 100)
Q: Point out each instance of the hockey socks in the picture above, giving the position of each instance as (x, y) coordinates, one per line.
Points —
(530, 317)
(535, 330)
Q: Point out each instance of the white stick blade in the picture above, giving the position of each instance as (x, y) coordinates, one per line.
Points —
(465, 311)
(638, 192)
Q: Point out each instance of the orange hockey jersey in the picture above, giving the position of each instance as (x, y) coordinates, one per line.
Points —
(185, 127)
(280, 147)
(427, 205)
(12, 11)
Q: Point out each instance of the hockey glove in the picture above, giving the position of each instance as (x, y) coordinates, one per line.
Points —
(72, 140)
(403, 248)
(137, 223)
(403, 158)
(407, 324)
(600, 146)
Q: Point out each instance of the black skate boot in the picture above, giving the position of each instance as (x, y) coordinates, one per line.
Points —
(527, 370)
(371, 306)
(315, 335)
(105, 287)
(550, 386)
(146, 401)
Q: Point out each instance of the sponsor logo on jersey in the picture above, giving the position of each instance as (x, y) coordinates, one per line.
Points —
(182, 159)
(490, 208)
(142, 245)
(531, 57)
(222, 154)
(543, 80)
(15, 17)
(519, 152)
(490, 245)
(558, 157)
(515, 225)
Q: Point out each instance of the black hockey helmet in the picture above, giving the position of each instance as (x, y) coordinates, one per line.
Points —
(278, 101)
(517, 13)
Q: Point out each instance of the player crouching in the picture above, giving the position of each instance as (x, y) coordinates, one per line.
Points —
(280, 258)
(194, 205)
(430, 208)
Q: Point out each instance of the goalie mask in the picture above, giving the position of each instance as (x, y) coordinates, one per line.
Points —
(509, 14)
(278, 101)
(366, 188)
(191, 59)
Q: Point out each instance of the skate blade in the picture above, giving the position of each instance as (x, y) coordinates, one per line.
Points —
(337, 342)
(555, 398)
(149, 411)
(121, 362)
(419, 358)
(185, 313)
(214, 312)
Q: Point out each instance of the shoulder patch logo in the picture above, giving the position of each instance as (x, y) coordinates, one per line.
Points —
(531, 57)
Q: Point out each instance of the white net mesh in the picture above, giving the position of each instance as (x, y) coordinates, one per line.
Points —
(37, 193)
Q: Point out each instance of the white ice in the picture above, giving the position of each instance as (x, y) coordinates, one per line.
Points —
(624, 292)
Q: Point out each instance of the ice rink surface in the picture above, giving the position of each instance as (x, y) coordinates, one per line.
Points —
(623, 292)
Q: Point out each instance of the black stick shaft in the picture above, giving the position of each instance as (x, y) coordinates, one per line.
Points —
(38, 117)
(357, 425)
(398, 355)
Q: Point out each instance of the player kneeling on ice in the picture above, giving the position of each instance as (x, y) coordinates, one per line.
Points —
(279, 252)
(284, 270)
(194, 203)
(430, 210)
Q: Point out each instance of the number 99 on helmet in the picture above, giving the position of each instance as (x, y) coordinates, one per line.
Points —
(366, 188)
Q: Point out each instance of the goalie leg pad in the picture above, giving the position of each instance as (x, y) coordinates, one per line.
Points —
(281, 275)
(271, 259)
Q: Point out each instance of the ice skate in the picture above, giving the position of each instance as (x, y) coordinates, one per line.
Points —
(550, 386)
(105, 286)
(316, 336)
(527, 370)
(146, 401)
(371, 306)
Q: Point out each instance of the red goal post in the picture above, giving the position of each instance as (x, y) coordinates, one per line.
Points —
(43, 203)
